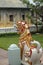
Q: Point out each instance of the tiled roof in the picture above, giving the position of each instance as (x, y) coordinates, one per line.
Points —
(12, 4)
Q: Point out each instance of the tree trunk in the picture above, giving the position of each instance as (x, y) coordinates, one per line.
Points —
(42, 18)
(36, 23)
(42, 24)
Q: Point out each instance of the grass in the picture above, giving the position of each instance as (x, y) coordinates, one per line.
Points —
(38, 37)
(7, 40)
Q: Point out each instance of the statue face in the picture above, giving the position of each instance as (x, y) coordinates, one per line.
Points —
(21, 26)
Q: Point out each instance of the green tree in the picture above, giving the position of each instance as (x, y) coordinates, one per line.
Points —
(33, 8)
(40, 8)
(38, 1)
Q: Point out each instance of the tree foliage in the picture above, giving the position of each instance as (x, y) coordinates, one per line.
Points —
(38, 1)
(25, 1)
(35, 8)
(39, 4)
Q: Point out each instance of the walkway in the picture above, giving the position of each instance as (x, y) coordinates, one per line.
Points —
(3, 57)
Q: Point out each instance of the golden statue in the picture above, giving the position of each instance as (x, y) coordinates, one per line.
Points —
(25, 41)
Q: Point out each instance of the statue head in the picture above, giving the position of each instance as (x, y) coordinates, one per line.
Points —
(21, 26)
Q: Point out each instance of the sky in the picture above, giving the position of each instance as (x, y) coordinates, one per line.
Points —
(31, 1)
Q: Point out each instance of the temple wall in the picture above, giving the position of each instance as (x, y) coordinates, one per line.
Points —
(5, 17)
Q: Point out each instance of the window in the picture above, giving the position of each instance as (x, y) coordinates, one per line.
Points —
(23, 17)
(11, 17)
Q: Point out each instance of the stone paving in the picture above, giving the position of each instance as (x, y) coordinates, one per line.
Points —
(4, 57)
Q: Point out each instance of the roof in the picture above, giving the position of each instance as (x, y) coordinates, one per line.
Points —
(12, 4)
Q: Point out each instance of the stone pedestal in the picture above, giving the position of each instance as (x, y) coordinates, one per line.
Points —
(14, 55)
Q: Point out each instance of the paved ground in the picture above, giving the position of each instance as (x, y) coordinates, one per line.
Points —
(4, 57)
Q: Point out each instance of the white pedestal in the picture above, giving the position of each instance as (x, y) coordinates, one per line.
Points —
(14, 55)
